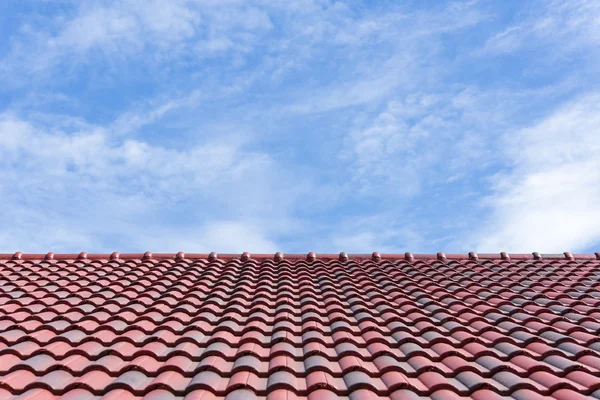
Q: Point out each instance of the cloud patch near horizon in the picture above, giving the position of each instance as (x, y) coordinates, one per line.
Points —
(549, 201)
(269, 122)
(66, 186)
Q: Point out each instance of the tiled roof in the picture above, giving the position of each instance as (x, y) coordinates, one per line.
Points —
(296, 327)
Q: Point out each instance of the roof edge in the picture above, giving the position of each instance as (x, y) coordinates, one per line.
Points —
(311, 256)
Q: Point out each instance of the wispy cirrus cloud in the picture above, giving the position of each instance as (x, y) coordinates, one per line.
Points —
(114, 33)
(407, 142)
(570, 26)
(84, 181)
(259, 125)
(549, 200)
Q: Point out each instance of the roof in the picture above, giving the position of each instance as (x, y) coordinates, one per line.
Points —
(208, 326)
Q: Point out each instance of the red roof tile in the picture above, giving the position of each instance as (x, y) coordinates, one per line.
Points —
(199, 326)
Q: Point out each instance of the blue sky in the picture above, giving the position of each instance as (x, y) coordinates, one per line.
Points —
(300, 126)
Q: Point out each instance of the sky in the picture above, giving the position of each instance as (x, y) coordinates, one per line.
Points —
(296, 126)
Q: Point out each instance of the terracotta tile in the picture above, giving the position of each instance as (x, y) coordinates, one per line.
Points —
(171, 380)
(250, 363)
(584, 379)
(111, 363)
(202, 395)
(42, 394)
(19, 380)
(357, 379)
(117, 394)
(160, 394)
(566, 394)
(295, 330)
(547, 380)
(445, 394)
(96, 380)
(286, 380)
(486, 394)
(241, 394)
(211, 380)
(323, 394)
(7, 362)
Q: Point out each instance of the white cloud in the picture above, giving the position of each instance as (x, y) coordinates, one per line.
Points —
(383, 232)
(93, 153)
(157, 30)
(388, 54)
(384, 154)
(122, 28)
(407, 141)
(550, 200)
(371, 87)
(64, 189)
(572, 25)
(222, 236)
(150, 112)
(389, 88)
(183, 33)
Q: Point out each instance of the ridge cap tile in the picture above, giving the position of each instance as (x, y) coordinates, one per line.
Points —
(375, 256)
(299, 326)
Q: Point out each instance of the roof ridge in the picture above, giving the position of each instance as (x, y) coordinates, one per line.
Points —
(311, 256)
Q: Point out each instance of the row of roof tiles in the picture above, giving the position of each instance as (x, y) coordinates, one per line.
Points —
(242, 328)
(463, 383)
(153, 364)
(311, 256)
(285, 394)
